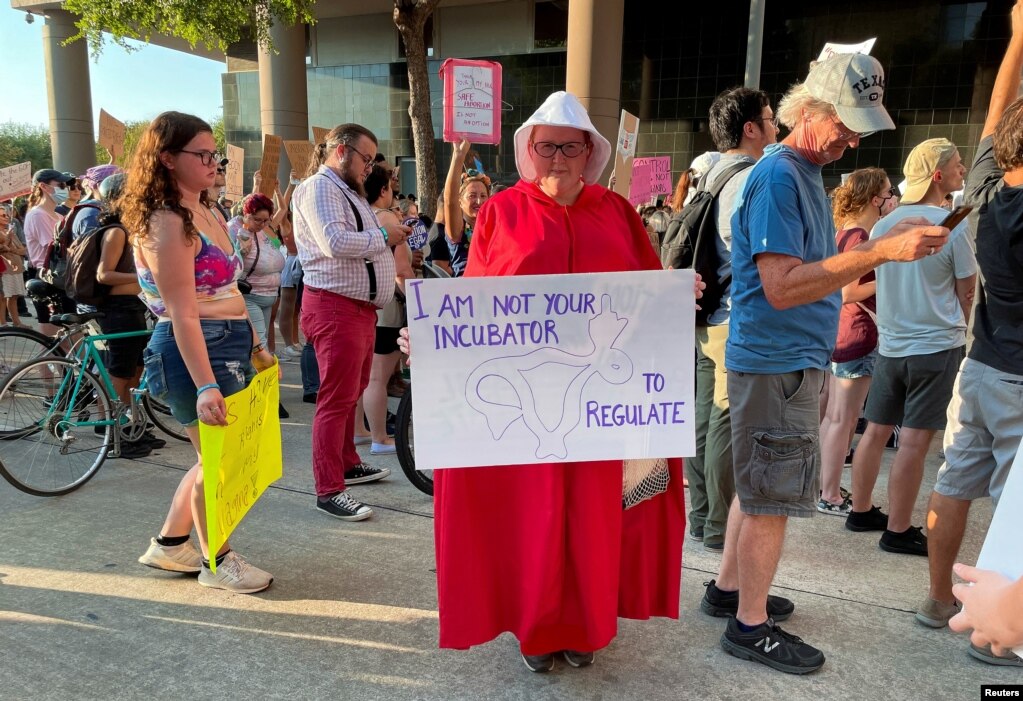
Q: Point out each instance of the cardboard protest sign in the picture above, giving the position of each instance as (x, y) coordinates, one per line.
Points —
(242, 459)
(234, 186)
(830, 49)
(299, 155)
(268, 166)
(1001, 551)
(320, 134)
(472, 101)
(628, 129)
(111, 134)
(552, 368)
(642, 177)
(15, 180)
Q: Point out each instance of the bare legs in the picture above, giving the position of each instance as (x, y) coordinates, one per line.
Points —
(375, 396)
(844, 406)
(12, 311)
(188, 507)
(906, 475)
(946, 524)
(867, 464)
(760, 539)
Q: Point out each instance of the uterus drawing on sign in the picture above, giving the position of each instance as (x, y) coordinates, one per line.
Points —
(544, 387)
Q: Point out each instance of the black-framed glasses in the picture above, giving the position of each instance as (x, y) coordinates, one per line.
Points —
(205, 157)
(570, 149)
(366, 160)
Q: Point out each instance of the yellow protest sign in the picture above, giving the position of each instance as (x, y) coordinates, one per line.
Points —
(242, 459)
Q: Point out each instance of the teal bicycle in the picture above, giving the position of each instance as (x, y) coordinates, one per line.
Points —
(60, 417)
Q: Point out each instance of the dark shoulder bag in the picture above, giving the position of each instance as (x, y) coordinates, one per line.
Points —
(244, 286)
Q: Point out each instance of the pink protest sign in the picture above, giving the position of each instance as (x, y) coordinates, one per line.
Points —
(472, 101)
(660, 173)
(642, 174)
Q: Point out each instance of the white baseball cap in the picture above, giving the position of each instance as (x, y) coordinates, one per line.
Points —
(854, 84)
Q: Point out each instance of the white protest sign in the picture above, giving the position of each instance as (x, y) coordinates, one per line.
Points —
(1001, 551)
(15, 180)
(830, 49)
(472, 100)
(552, 368)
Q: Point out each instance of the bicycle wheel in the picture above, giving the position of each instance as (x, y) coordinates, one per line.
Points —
(160, 414)
(19, 345)
(56, 455)
(405, 446)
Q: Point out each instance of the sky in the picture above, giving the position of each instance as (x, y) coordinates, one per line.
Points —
(133, 86)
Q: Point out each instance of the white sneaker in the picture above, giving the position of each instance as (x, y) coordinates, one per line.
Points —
(292, 353)
(172, 558)
(236, 575)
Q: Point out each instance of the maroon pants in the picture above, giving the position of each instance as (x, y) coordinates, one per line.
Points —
(342, 331)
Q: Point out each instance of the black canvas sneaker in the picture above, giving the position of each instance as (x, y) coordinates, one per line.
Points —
(343, 506)
(362, 473)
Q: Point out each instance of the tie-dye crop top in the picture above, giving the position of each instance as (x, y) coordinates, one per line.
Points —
(216, 275)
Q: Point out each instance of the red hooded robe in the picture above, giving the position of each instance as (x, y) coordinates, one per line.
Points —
(546, 551)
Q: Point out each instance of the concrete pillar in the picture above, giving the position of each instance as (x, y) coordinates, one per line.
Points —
(69, 95)
(754, 43)
(283, 100)
(647, 90)
(594, 72)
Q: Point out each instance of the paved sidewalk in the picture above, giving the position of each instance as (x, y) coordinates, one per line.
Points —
(352, 613)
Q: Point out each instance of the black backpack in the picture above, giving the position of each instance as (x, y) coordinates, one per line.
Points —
(54, 270)
(83, 256)
(691, 241)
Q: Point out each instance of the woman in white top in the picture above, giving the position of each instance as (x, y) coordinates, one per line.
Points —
(48, 191)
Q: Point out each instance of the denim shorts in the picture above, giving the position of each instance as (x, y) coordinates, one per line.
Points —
(855, 369)
(229, 346)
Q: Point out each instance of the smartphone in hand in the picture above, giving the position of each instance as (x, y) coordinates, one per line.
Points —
(955, 217)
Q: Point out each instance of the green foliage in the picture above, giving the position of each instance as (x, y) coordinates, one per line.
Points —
(25, 142)
(214, 23)
(219, 134)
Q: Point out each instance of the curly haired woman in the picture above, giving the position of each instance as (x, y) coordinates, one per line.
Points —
(203, 347)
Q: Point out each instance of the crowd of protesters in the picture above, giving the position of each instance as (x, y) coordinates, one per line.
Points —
(836, 306)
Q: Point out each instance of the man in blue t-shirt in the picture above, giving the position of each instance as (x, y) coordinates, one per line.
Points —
(786, 282)
(985, 418)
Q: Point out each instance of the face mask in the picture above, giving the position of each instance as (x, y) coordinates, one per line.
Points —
(59, 196)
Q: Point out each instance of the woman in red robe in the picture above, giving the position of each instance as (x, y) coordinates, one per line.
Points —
(547, 552)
